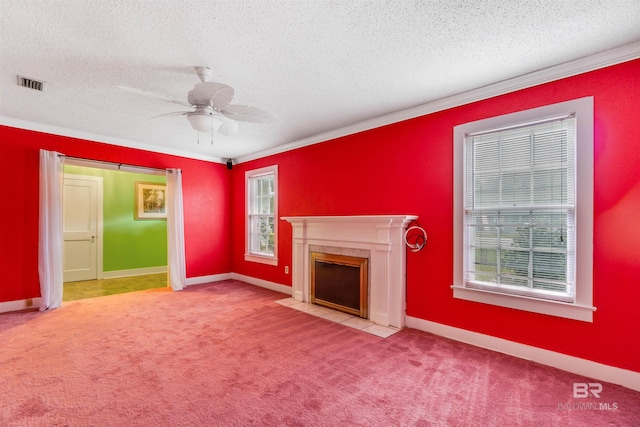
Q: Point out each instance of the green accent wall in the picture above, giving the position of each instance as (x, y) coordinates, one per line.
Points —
(127, 243)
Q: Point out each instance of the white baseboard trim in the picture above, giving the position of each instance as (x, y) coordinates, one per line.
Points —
(115, 274)
(21, 304)
(263, 283)
(576, 365)
(207, 279)
(235, 276)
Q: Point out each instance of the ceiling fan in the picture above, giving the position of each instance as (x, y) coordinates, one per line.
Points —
(211, 108)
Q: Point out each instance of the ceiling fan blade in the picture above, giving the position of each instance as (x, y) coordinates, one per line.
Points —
(172, 114)
(154, 95)
(228, 127)
(245, 113)
(217, 95)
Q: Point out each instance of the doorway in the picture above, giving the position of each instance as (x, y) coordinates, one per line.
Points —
(106, 249)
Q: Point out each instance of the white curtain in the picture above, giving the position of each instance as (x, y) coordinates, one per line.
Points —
(50, 229)
(175, 230)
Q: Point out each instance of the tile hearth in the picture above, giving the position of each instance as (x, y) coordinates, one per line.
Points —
(339, 317)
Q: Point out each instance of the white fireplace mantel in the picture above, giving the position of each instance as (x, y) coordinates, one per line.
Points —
(381, 235)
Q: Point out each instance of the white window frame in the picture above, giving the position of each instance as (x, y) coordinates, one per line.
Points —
(270, 259)
(582, 306)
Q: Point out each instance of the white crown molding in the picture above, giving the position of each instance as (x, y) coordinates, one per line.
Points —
(55, 130)
(597, 61)
(607, 58)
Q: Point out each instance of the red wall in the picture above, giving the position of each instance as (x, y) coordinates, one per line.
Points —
(407, 167)
(206, 205)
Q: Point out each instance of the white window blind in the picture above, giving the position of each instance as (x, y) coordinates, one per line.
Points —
(519, 209)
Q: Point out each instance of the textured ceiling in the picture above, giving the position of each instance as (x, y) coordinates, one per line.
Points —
(316, 65)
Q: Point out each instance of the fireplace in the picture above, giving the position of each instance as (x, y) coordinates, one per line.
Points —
(379, 238)
(340, 282)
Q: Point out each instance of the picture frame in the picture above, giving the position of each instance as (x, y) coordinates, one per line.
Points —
(150, 201)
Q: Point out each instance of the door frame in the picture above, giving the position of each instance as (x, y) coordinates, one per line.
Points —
(105, 165)
(99, 216)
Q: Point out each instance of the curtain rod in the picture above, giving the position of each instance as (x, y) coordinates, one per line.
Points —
(119, 165)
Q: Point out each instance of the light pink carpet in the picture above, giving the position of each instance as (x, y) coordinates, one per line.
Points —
(225, 354)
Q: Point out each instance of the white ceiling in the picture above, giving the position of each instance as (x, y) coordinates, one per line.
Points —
(316, 65)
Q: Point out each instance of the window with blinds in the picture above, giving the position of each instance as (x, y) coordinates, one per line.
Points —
(262, 227)
(519, 209)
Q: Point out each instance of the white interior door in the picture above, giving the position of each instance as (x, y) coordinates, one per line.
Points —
(81, 200)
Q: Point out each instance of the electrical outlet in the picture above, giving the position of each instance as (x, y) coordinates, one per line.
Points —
(286, 269)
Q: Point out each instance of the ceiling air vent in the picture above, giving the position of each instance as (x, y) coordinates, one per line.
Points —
(31, 83)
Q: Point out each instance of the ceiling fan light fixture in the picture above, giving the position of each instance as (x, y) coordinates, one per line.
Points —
(203, 122)
(210, 106)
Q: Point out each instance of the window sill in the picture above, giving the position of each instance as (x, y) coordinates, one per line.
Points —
(518, 302)
(261, 259)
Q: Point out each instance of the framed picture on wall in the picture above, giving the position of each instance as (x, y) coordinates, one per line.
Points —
(150, 200)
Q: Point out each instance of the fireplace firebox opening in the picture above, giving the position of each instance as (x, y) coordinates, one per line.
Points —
(340, 282)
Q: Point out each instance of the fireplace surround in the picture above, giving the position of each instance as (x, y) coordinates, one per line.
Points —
(381, 237)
